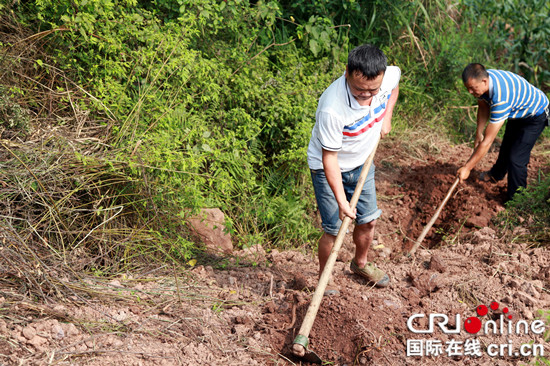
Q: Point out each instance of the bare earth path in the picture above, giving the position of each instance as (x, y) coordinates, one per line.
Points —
(249, 312)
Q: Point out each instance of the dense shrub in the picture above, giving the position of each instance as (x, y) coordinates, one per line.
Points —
(212, 102)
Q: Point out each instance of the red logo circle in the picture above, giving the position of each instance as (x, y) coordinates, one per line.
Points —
(482, 310)
(472, 325)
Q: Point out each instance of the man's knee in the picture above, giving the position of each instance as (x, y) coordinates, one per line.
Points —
(326, 237)
(368, 226)
(519, 163)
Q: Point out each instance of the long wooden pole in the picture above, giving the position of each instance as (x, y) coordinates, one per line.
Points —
(434, 217)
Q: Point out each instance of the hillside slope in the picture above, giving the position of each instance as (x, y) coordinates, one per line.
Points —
(247, 309)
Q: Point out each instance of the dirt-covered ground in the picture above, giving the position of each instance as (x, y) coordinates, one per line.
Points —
(249, 312)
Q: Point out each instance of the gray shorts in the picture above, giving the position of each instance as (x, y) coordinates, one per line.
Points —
(367, 209)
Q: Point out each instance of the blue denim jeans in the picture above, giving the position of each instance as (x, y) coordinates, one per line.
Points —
(367, 209)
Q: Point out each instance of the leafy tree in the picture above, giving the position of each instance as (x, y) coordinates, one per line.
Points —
(521, 28)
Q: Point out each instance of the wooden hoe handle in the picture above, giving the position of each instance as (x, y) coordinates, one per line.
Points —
(434, 217)
(301, 340)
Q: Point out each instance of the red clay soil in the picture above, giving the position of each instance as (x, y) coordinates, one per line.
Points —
(464, 265)
(249, 312)
(421, 187)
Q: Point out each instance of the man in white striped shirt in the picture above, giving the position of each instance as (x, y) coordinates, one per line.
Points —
(352, 113)
(504, 96)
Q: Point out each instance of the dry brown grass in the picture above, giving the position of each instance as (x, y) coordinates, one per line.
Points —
(67, 206)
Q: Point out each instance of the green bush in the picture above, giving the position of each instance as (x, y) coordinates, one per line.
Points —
(202, 112)
(211, 103)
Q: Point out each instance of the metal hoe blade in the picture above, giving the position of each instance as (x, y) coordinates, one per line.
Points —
(299, 348)
(312, 357)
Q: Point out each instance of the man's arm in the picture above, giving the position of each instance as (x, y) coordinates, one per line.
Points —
(334, 178)
(386, 124)
(479, 152)
(483, 112)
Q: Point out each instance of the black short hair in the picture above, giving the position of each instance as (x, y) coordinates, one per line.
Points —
(474, 71)
(367, 59)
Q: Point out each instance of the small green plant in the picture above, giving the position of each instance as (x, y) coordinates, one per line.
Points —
(13, 117)
(218, 307)
(181, 248)
(530, 208)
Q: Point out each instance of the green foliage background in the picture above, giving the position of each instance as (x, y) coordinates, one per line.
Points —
(211, 103)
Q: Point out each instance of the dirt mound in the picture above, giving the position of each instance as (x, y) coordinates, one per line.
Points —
(250, 312)
(414, 192)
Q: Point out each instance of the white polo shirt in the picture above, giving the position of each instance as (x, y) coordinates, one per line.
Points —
(342, 125)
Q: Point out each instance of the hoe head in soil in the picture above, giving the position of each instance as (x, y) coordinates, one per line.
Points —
(299, 348)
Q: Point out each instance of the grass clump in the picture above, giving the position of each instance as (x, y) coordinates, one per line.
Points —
(530, 209)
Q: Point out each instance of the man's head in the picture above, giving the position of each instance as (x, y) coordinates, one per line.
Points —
(368, 60)
(365, 71)
(476, 79)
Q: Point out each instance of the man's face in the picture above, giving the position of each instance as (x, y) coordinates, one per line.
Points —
(477, 87)
(362, 88)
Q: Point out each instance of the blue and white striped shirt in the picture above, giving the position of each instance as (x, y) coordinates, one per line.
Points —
(511, 96)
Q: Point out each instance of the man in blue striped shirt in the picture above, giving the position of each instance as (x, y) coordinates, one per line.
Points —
(503, 95)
